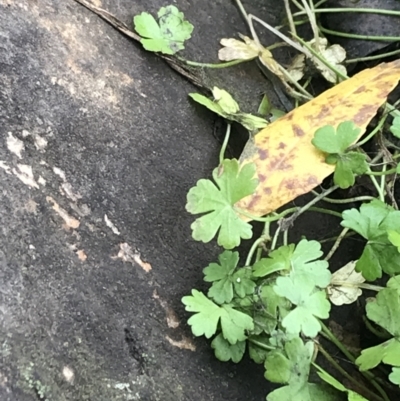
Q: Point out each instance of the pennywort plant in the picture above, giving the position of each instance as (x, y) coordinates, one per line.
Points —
(275, 304)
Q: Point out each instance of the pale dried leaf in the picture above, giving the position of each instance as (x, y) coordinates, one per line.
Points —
(235, 49)
(344, 287)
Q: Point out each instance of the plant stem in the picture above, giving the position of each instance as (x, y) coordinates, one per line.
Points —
(254, 247)
(350, 10)
(370, 58)
(330, 336)
(344, 373)
(289, 14)
(348, 200)
(290, 220)
(382, 173)
(285, 237)
(261, 344)
(211, 65)
(337, 243)
(376, 185)
(275, 238)
(294, 210)
(225, 143)
(322, 59)
(323, 210)
(361, 37)
(371, 134)
(383, 178)
(379, 334)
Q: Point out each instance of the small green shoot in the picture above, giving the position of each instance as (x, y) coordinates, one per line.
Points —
(348, 164)
(218, 200)
(168, 35)
(225, 106)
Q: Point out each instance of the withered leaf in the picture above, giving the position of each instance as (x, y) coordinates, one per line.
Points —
(288, 165)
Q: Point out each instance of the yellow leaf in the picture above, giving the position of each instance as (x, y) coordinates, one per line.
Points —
(288, 165)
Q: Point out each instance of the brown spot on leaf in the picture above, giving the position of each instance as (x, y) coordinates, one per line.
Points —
(263, 154)
(267, 190)
(361, 89)
(364, 114)
(262, 177)
(281, 145)
(298, 131)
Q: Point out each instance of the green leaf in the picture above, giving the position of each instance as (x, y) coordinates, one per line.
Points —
(347, 167)
(234, 324)
(221, 275)
(335, 143)
(373, 221)
(309, 392)
(225, 101)
(210, 104)
(277, 260)
(387, 352)
(394, 282)
(232, 184)
(311, 305)
(225, 106)
(352, 395)
(384, 311)
(250, 122)
(168, 35)
(394, 377)
(394, 238)
(279, 338)
(256, 352)
(292, 365)
(395, 128)
(304, 265)
(242, 282)
(205, 321)
(301, 261)
(330, 140)
(266, 317)
(224, 351)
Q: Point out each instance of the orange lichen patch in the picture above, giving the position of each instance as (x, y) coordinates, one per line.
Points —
(288, 165)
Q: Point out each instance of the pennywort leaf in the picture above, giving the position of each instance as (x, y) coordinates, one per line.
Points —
(208, 315)
(168, 34)
(335, 143)
(384, 311)
(374, 221)
(225, 106)
(224, 351)
(216, 202)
